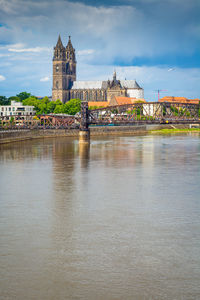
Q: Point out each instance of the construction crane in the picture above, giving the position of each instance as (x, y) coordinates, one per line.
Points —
(158, 91)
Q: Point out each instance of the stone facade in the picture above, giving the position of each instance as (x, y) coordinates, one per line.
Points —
(66, 87)
(64, 70)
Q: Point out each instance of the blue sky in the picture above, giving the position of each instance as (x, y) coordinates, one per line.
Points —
(156, 42)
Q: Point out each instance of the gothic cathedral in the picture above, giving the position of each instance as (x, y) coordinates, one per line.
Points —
(64, 70)
(66, 87)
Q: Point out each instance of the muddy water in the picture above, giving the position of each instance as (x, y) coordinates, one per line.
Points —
(117, 220)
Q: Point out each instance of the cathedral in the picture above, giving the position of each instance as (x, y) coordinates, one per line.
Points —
(66, 87)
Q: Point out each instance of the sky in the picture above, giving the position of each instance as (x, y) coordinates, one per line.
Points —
(156, 42)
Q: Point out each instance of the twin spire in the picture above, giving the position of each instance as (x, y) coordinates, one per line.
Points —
(60, 44)
(61, 52)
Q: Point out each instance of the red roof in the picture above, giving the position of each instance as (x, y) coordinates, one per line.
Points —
(179, 100)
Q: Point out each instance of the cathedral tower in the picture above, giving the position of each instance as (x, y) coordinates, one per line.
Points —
(64, 70)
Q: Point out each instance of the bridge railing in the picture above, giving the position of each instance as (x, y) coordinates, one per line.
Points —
(151, 112)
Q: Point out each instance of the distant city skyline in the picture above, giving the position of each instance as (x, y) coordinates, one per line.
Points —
(156, 42)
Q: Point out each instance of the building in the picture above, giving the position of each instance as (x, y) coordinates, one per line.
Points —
(179, 100)
(18, 111)
(66, 87)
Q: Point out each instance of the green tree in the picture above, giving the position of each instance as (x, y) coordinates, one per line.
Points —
(72, 106)
(12, 121)
(4, 101)
(59, 109)
(14, 98)
(24, 95)
(51, 106)
(32, 101)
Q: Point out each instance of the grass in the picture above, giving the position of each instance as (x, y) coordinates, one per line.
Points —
(175, 130)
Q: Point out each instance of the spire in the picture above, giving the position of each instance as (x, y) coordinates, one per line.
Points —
(69, 45)
(59, 43)
(59, 50)
(114, 75)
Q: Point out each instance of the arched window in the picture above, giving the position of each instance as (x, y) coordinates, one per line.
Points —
(57, 84)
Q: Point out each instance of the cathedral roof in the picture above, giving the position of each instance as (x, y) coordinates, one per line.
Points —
(80, 85)
(85, 85)
(130, 84)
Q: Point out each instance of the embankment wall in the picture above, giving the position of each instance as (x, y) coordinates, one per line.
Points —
(8, 136)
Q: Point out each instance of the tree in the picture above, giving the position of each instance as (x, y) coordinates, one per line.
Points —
(12, 121)
(72, 106)
(14, 98)
(32, 101)
(4, 101)
(59, 109)
(51, 106)
(24, 95)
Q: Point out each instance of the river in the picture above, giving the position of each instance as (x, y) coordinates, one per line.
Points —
(117, 220)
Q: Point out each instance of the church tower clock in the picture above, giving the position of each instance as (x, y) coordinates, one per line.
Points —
(64, 70)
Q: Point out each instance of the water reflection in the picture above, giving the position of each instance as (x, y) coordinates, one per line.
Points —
(84, 154)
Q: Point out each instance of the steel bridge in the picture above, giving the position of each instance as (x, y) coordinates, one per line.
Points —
(140, 113)
(128, 114)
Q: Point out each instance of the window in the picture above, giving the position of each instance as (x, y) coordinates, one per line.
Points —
(57, 68)
(57, 84)
(13, 108)
(9, 108)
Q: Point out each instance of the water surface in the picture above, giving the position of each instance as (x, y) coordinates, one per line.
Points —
(117, 220)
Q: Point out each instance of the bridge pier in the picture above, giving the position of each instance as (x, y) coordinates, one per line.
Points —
(84, 136)
(84, 132)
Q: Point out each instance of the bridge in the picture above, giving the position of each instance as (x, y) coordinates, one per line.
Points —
(140, 113)
(128, 114)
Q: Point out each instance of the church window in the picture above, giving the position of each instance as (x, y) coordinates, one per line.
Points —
(57, 84)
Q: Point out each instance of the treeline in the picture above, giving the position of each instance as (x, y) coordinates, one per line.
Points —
(44, 106)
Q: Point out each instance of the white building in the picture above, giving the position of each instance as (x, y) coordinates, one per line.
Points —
(16, 110)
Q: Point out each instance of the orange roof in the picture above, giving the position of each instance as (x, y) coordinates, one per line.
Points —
(98, 103)
(179, 100)
(127, 100)
(123, 100)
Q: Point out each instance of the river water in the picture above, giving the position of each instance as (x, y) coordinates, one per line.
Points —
(118, 220)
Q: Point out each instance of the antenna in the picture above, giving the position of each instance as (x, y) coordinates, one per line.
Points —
(158, 91)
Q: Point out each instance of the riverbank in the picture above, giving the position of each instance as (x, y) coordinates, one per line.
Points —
(10, 136)
(174, 130)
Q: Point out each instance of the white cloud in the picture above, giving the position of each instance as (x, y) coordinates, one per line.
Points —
(35, 49)
(85, 52)
(2, 78)
(4, 55)
(45, 79)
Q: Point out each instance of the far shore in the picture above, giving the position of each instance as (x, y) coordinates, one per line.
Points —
(174, 130)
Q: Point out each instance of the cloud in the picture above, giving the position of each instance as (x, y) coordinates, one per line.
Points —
(36, 49)
(85, 52)
(146, 34)
(45, 79)
(2, 78)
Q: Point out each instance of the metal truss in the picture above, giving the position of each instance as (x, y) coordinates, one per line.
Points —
(140, 113)
(58, 121)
